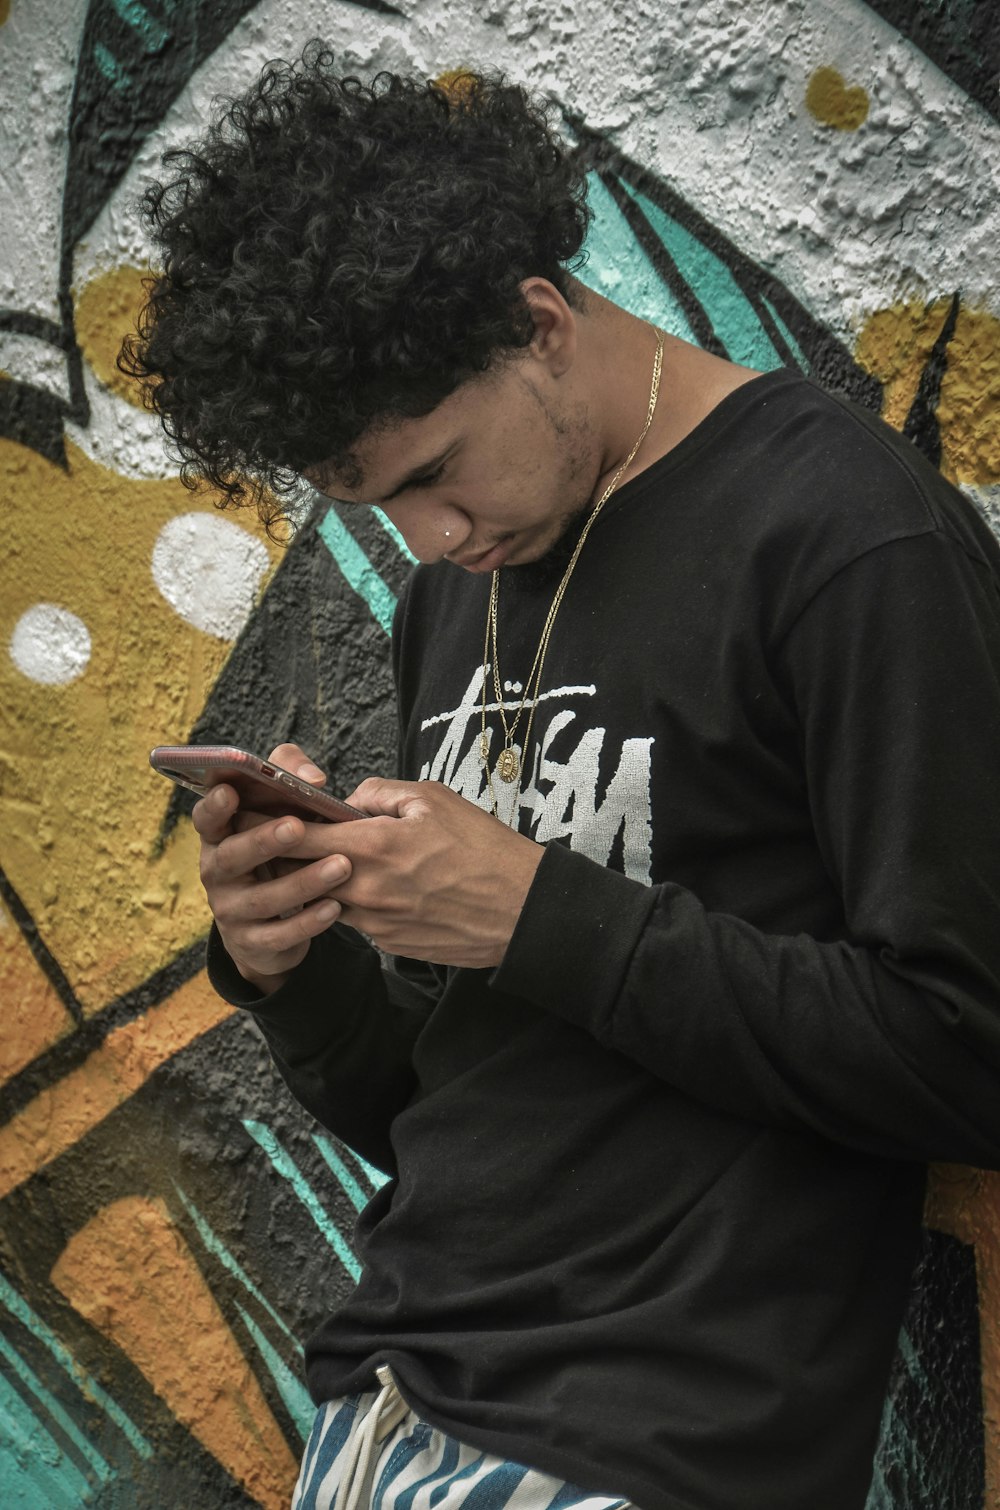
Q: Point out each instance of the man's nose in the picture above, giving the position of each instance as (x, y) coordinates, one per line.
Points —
(430, 531)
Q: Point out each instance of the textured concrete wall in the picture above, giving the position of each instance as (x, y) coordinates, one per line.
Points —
(787, 181)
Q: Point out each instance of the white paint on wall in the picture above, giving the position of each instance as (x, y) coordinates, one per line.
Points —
(50, 645)
(120, 436)
(38, 50)
(850, 221)
(986, 497)
(209, 570)
(34, 361)
(709, 94)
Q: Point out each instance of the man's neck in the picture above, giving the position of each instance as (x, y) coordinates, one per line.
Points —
(616, 351)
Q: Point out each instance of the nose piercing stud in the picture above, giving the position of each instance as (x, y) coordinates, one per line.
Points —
(447, 534)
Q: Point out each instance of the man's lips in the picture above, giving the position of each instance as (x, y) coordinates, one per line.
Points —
(488, 560)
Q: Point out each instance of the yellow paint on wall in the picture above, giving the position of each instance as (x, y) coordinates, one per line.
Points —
(4, 11)
(59, 1117)
(832, 102)
(130, 1273)
(34, 1018)
(80, 809)
(966, 1203)
(895, 344)
(106, 310)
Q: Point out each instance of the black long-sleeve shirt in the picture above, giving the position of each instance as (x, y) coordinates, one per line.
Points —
(658, 1178)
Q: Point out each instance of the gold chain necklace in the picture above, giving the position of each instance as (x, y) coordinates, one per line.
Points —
(509, 764)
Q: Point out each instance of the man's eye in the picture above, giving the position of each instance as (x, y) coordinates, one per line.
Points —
(429, 478)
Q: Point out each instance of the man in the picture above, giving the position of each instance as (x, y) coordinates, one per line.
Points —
(693, 875)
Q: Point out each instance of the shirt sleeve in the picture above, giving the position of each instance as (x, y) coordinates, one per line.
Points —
(889, 1040)
(341, 1032)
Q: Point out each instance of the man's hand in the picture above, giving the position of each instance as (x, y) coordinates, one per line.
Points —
(267, 910)
(430, 876)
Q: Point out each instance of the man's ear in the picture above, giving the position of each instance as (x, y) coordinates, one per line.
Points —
(555, 335)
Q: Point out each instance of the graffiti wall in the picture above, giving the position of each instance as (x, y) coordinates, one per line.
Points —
(807, 183)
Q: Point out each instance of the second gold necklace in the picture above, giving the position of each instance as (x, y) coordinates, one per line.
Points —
(509, 763)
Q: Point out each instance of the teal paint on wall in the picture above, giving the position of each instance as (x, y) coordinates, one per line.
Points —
(394, 535)
(216, 1246)
(99, 1465)
(375, 1177)
(357, 570)
(297, 1399)
(618, 267)
(110, 68)
(88, 1386)
(30, 1441)
(289, 1170)
(793, 344)
(35, 1472)
(732, 315)
(152, 36)
(357, 1197)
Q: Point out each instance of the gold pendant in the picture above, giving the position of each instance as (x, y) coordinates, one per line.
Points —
(508, 765)
(484, 748)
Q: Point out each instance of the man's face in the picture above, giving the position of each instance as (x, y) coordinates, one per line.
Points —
(492, 477)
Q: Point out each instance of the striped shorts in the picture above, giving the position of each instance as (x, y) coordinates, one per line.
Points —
(371, 1452)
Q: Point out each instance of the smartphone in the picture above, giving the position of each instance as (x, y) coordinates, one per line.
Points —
(262, 786)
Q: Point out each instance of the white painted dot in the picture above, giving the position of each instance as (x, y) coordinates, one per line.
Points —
(209, 570)
(50, 645)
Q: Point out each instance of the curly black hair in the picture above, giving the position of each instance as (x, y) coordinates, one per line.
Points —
(339, 254)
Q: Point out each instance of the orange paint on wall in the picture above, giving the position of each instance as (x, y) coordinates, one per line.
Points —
(33, 1016)
(130, 1273)
(60, 1116)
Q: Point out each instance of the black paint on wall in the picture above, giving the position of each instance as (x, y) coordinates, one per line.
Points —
(961, 36)
(181, 1140)
(33, 418)
(921, 425)
(43, 955)
(134, 61)
(68, 1053)
(128, 75)
(933, 1433)
(311, 666)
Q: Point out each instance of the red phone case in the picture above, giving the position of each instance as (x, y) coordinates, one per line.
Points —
(262, 786)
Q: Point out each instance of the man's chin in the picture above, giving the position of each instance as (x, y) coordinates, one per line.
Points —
(546, 568)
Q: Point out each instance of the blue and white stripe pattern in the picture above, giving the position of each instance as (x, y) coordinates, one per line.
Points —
(420, 1468)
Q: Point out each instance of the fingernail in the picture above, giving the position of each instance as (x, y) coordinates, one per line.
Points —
(327, 911)
(333, 870)
(311, 772)
(285, 831)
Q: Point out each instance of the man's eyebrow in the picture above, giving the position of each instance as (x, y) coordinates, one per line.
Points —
(415, 474)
